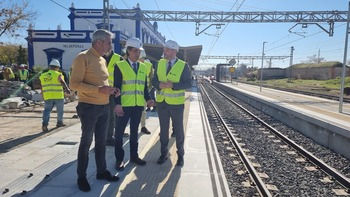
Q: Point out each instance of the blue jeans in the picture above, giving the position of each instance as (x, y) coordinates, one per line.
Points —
(49, 104)
(94, 121)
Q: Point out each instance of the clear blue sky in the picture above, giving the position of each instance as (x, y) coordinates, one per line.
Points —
(242, 39)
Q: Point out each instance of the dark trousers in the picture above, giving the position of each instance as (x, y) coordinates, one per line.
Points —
(112, 118)
(176, 113)
(152, 93)
(134, 115)
(93, 120)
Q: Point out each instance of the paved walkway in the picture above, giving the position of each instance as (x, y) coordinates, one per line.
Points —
(47, 167)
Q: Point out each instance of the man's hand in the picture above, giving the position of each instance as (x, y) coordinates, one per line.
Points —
(116, 92)
(150, 103)
(119, 110)
(167, 84)
(68, 91)
(106, 89)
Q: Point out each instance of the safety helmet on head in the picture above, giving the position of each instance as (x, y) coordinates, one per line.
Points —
(22, 65)
(2, 67)
(134, 42)
(143, 54)
(55, 62)
(171, 44)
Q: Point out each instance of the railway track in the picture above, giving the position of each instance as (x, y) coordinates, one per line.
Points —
(275, 164)
(315, 94)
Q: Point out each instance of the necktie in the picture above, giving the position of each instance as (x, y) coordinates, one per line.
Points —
(134, 65)
(168, 67)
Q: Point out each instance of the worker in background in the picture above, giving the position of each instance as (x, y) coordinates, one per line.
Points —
(111, 58)
(52, 85)
(23, 73)
(172, 77)
(130, 77)
(149, 73)
(8, 73)
(89, 77)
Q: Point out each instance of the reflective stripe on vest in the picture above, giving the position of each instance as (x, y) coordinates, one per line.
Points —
(51, 86)
(172, 97)
(23, 74)
(132, 90)
(112, 62)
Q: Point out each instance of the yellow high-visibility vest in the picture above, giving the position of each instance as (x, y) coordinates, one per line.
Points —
(172, 97)
(51, 86)
(23, 74)
(133, 85)
(112, 62)
(148, 72)
(10, 73)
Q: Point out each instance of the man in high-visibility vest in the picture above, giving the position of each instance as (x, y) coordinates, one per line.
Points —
(130, 77)
(8, 73)
(149, 73)
(23, 73)
(111, 58)
(172, 77)
(52, 85)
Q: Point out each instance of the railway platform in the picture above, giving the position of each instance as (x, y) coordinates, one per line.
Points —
(315, 117)
(47, 166)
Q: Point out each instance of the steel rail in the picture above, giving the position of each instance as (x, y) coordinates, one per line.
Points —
(252, 172)
(343, 180)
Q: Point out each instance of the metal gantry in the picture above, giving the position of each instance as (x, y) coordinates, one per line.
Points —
(300, 17)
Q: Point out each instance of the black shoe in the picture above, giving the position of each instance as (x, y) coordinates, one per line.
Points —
(126, 135)
(110, 142)
(145, 130)
(83, 184)
(60, 124)
(162, 159)
(107, 176)
(173, 134)
(138, 161)
(180, 161)
(119, 165)
(45, 129)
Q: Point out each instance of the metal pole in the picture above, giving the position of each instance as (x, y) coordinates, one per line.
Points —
(291, 64)
(262, 64)
(344, 63)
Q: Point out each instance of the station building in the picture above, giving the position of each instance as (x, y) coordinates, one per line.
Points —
(64, 45)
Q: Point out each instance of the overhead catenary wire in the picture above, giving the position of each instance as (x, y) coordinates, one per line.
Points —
(69, 11)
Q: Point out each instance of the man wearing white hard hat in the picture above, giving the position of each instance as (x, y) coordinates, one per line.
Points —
(172, 77)
(130, 77)
(23, 73)
(52, 86)
(8, 73)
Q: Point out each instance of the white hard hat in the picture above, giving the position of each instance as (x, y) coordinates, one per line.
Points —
(22, 65)
(171, 44)
(134, 42)
(55, 62)
(143, 54)
(1, 67)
